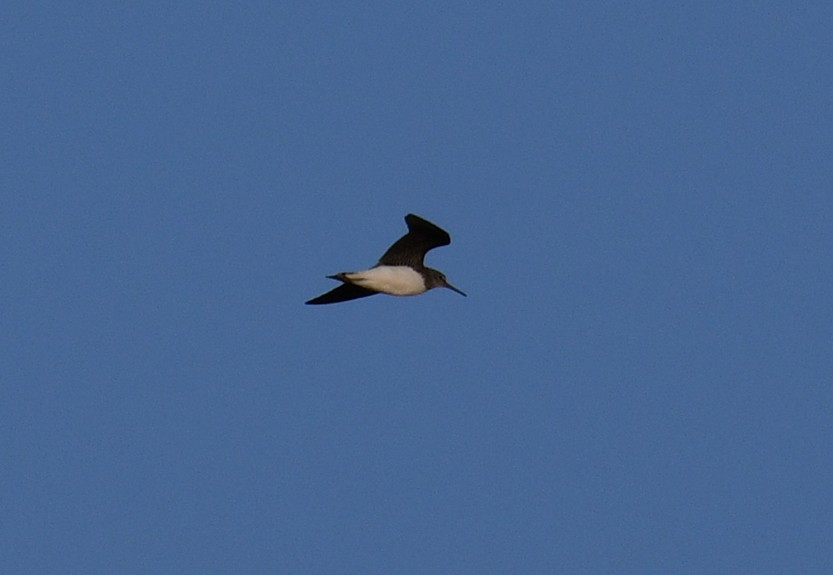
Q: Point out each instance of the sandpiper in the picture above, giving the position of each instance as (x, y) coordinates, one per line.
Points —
(400, 270)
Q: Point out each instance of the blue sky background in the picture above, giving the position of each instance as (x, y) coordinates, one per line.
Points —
(640, 197)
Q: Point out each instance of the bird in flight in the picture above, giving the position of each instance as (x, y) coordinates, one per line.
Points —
(400, 270)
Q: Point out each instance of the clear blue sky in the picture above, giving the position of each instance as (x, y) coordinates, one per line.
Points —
(640, 197)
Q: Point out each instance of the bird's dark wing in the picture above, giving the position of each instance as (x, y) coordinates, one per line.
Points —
(410, 249)
(344, 292)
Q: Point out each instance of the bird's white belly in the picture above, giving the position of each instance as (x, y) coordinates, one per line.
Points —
(393, 280)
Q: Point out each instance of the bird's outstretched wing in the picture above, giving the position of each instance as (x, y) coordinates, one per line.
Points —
(344, 292)
(410, 249)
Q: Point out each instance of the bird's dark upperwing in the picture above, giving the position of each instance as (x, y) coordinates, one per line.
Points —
(410, 249)
(344, 292)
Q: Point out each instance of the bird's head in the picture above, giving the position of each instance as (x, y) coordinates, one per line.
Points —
(437, 279)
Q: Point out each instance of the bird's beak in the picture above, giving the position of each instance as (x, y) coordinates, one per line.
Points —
(452, 288)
